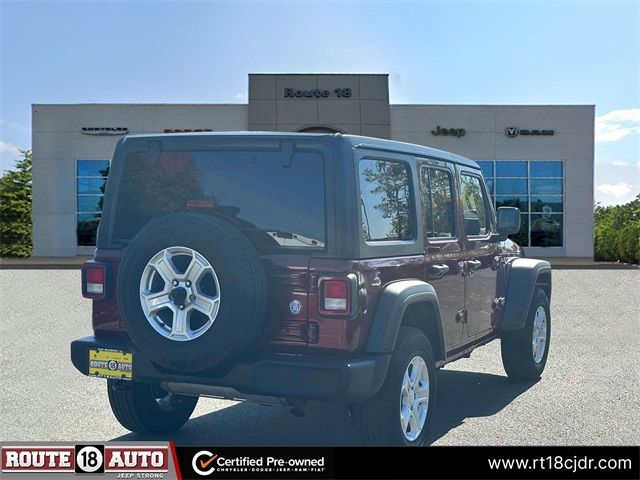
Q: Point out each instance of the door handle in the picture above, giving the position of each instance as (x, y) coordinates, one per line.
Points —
(473, 265)
(440, 270)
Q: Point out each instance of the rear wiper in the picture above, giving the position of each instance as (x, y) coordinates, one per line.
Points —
(296, 238)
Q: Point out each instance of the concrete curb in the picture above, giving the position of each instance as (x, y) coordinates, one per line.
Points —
(597, 266)
(39, 267)
(43, 263)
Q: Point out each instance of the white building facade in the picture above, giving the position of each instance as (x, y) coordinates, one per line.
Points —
(539, 158)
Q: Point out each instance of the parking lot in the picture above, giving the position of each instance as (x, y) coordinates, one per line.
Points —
(587, 395)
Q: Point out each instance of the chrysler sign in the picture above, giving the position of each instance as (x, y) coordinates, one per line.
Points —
(105, 130)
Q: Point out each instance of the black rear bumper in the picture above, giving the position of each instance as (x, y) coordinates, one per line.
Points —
(329, 378)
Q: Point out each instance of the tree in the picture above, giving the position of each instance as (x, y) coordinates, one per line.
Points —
(15, 209)
(617, 232)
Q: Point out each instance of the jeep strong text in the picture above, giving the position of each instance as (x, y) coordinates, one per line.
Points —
(279, 267)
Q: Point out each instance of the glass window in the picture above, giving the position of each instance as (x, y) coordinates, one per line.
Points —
(511, 169)
(546, 229)
(474, 211)
(519, 201)
(276, 198)
(522, 237)
(511, 185)
(538, 195)
(91, 185)
(546, 186)
(89, 203)
(386, 200)
(91, 181)
(489, 182)
(538, 203)
(437, 203)
(93, 168)
(546, 169)
(87, 228)
(487, 169)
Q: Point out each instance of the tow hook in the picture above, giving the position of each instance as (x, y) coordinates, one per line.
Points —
(121, 385)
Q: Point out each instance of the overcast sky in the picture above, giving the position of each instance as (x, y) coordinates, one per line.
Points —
(500, 52)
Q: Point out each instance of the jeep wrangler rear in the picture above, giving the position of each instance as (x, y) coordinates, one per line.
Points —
(291, 267)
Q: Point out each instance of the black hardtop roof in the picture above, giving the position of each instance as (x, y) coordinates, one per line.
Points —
(356, 141)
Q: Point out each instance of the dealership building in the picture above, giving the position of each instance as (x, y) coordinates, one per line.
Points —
(539, 158)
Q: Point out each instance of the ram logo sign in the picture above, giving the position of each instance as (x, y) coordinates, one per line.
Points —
(512, 132)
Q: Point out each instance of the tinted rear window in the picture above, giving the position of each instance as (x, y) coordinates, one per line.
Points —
(276, 199)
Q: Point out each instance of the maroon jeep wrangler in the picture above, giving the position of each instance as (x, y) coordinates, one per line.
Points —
(295, 267)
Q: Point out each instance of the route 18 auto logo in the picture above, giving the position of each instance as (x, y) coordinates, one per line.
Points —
(81, 459)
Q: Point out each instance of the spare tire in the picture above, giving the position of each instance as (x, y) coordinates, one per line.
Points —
(191, 291)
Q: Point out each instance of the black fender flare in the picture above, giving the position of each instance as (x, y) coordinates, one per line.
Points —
(392, 303)
(522, 279)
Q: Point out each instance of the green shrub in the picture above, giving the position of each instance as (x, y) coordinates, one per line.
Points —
(617, 232)
(15, 209)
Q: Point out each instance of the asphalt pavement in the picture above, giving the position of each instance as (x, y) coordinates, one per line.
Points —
(588, 395)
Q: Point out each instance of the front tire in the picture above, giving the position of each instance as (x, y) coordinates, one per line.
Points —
(147, 409)
(401, 412)
(525, 351)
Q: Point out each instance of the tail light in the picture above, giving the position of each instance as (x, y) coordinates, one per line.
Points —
(337, 295)
(94, 280)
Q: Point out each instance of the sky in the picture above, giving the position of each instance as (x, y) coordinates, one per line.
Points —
(480, 52)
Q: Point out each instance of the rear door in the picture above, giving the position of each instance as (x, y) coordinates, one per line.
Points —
(482, 252)
(444, 251)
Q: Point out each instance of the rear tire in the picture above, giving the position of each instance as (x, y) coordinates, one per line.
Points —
(522, 357)
(380, 419)
(147, 409)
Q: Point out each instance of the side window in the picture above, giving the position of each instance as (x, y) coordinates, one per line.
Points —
(437, 203)
(385, 198)
(474, 206)
(91, 181)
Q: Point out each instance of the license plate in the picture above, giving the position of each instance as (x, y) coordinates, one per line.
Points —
(109, 363)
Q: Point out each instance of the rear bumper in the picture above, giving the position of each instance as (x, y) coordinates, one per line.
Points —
(336, 379)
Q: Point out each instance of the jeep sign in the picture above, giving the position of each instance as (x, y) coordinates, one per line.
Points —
(452, 132)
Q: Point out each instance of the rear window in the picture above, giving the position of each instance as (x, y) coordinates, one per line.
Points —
(277, 199)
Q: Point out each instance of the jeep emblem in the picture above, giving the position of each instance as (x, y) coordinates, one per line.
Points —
(295, 307)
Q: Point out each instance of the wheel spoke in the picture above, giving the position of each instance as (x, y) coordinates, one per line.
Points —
(404, 418)
(422, 394)
(413, 423)
(156, 301)
(180, 320)
(406, 381)
(194, 271)
(165, 268)
(206, 305)
(416, 373)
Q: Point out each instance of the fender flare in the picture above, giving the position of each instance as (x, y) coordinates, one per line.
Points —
(522, 280)
(393, 301)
